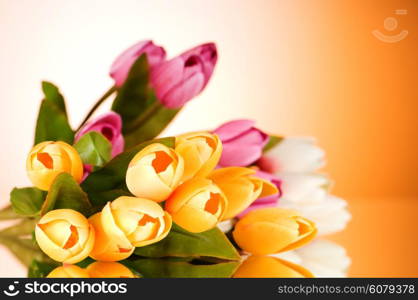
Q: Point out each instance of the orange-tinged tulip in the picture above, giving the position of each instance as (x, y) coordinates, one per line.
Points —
(65, 235)
(102, 269)
(135, 221)
(68, 271)
(273, 230)
(270, 267)
(201, 152)
(105, 248)
(48, 159)
(154, 172)
(197, 205)
(241, 188)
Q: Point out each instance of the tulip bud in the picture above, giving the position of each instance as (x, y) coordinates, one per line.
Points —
(48, 159)
(105, 247)
(154, 172)
(201, 152)
(270, 267)
(293, 154)
(109, 270)
(242, 142)
(241, 188)
(110, 126)
(68, 271)
(65, 235)
(197, 205)
(180, 79)
(122, 65)
(135, 221)
(273, 230)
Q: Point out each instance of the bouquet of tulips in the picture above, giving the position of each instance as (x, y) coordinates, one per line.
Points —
(114, 199)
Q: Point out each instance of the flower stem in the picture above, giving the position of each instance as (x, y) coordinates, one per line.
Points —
(96, 106)
(8, 213)
(154, 107)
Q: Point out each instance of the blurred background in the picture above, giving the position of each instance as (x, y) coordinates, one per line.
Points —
(342, 71)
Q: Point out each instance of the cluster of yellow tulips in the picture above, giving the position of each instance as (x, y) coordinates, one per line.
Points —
(168, 185)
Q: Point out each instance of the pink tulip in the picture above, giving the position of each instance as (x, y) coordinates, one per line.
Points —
(242, 143)
(110, 125)
(178, 80)
(120, 68)
(269, 201)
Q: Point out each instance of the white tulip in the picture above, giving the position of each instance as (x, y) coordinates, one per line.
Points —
(330, 214)
(296, 154)
(325, 259)
(322, 257)
(303, 187)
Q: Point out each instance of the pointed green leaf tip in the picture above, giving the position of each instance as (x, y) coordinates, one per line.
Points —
(52, 123)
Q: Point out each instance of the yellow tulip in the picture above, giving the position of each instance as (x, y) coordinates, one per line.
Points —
(197, 205)
(201, 152)
(135, 221)
(109, 270)
(270, 267)
(48, 159)
(154, 172)
(273, 230)
(65, 235)
(105, 248)
(241, 188)
(68, 271)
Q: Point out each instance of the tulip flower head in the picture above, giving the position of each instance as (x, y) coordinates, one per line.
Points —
(68, 271)
(154, 172)
(178, 80)
(273, 230)
(49, 159)
(105, 247)
(137, 222)
(242, 142)
(293, 154)
(270, 267)
(65, 235)
(102, 269)
(110, 126)
(121, 66)
(197, 205)
(241, 188)
(265, 201)
(201, 152)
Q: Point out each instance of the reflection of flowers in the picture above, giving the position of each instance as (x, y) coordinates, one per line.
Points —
(322, 257)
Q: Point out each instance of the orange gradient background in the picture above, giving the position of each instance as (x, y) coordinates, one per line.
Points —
(310, 68)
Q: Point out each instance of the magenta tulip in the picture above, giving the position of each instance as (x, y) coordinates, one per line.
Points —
(269, 201)
(178, 80)
(242, 143)
(110, 125)
(120, 68)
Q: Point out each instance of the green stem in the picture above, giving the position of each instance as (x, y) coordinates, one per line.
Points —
(8, 213)
(144, 116)
(96, 106)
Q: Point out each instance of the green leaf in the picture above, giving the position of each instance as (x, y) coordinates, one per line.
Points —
(273, 141)
(40, 269)
(52, 123)
(112, 176)
(23, 248)
(53, 95)
(22, 229)
(181, 243)
(27, 201)
(66, 193)
(166, 268)
(143, 116)
(94, 149)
